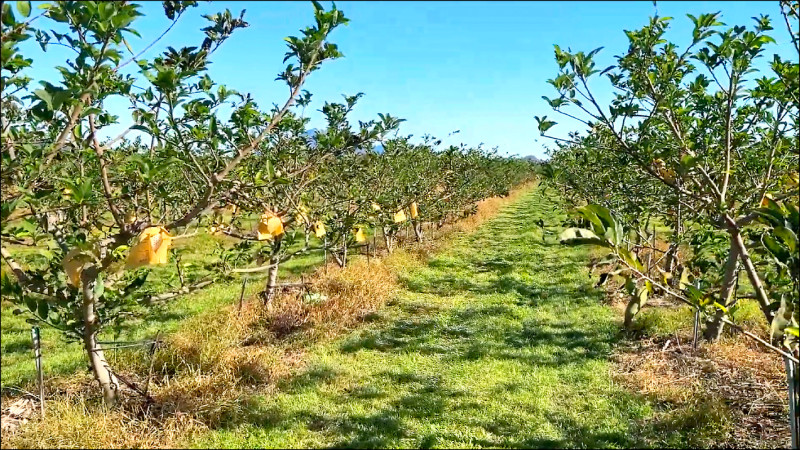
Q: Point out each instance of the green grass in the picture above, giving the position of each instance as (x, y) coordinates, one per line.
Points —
(500, 341)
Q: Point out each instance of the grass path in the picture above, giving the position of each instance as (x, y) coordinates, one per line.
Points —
(499, 341)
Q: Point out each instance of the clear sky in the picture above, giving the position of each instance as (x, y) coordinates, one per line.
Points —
(477, 67)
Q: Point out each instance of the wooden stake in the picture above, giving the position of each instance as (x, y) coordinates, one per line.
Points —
(153, 347)
(37, 354)
(792, 380)
(241, 295)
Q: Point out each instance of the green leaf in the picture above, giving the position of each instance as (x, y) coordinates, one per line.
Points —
(642, 295)
(120, 251)
(770, 216)
(544, 124)
(578, 236)
(775, 247)
(773, 205)
(780, 321)
(630, 258)
(45, 96)
(135, 284)
(684, 281)
(99, 287)
(688, 161)
(590, 215)
(788, 237)
(694, 294)
(141, 128)
(31, 304)
(24, 8)
(46, 253)
(270, 170)
(52, 96)
(43, 309)
(630, 285)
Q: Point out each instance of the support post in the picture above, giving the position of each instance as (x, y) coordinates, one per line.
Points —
(241, 294)
(37, 354)
(793, 380)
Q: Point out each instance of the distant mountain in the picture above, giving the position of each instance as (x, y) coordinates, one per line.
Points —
(533, 159)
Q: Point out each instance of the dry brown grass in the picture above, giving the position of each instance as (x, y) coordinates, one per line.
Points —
(76, 423)
(351, 294)
(731, 378)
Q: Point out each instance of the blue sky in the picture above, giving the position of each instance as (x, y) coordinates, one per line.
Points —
(477, 67)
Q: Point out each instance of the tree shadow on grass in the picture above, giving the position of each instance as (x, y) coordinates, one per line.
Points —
(470, 334)
(19, 345)
(427, 398)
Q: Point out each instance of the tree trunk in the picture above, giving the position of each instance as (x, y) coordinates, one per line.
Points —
(387, 239)
(714, 329)
(337, 258)
(272, 280)
(755, 280)
(272, 275)
(671, 260)
(97, 359)
(417, 230)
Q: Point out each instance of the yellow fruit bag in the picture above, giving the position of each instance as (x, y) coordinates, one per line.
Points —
(319, 229)
(399, 216)
(360, 235)
(414, 210)
(269, 226)
(73, 264)
(152, 248)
